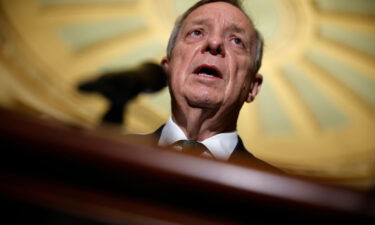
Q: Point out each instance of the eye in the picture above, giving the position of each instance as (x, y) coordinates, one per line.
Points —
(237, 41)
(196, 33)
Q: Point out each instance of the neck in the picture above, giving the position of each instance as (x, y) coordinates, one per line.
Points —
(201, 123)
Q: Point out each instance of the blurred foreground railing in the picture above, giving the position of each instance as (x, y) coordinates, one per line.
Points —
(52, 173)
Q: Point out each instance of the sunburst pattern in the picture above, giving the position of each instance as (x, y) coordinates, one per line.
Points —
(314, 114)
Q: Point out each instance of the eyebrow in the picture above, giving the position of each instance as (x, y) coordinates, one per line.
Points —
(199, 21)
(237, 29)
(232, 27)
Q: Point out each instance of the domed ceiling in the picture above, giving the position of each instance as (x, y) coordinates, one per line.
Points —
(314, 115)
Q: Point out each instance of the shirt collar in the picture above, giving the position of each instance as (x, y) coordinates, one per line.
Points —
(220, 145)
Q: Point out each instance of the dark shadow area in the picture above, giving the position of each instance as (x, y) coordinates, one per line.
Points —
(62, 175)
(121, 87)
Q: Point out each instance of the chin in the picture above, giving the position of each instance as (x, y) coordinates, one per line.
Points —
(204, 103)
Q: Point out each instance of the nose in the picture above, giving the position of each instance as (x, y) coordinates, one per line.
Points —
(214, 45)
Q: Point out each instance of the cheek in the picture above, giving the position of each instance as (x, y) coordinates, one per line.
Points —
(239, 70)
(244, 74)
(238, 85)
(180, 51)
(177, 76)
(180, 64)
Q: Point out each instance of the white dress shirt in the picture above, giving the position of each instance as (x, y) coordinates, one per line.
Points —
(220, 145)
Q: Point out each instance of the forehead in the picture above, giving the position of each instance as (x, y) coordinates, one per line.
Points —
(220, 12)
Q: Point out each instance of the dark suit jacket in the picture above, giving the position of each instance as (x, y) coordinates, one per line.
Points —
(239, 156)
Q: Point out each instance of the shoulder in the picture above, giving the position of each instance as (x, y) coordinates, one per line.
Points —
(243, 157)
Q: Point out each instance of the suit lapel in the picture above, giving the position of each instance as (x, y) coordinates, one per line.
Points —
(240, 152)
(243, 157)
(239, 156)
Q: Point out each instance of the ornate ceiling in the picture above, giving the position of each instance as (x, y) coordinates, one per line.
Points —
(315, 113)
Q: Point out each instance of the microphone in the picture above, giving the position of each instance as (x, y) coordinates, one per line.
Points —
(122, 86)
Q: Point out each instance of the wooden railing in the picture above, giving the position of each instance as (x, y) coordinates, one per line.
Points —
(53, 173)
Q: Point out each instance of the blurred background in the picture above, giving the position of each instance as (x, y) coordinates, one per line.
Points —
(313, 117)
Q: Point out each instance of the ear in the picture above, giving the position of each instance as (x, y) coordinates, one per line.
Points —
(256, 84)
(165, 63)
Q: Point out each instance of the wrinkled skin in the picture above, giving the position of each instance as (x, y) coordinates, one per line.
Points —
(217, 36)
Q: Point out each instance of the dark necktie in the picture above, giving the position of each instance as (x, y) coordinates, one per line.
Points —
(191, 147)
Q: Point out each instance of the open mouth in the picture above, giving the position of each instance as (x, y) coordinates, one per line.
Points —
(207, 71)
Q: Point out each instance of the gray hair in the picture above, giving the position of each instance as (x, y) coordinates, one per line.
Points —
(258, 39)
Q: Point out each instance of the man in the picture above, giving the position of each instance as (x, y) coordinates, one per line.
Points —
(213, 57)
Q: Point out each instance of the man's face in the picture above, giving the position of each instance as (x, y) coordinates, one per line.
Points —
(211, 61)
